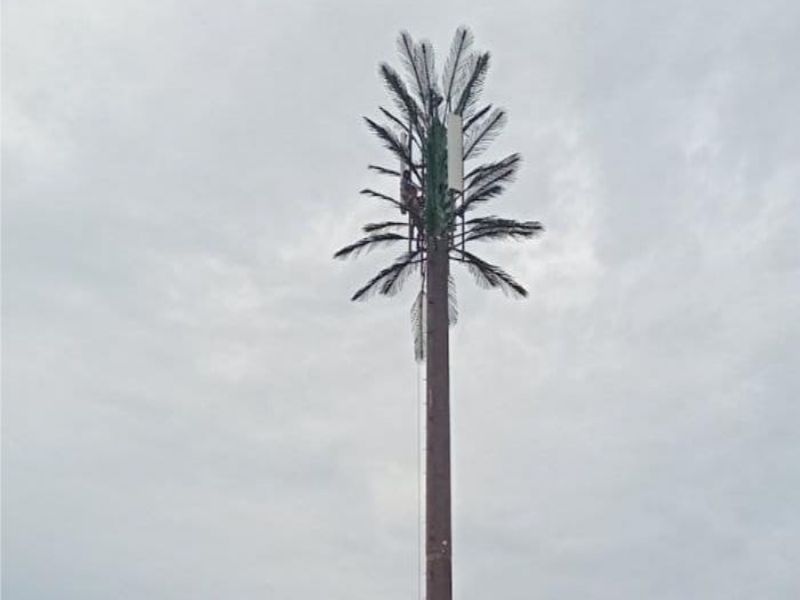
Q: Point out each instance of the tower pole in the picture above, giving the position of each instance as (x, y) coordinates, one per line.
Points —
(438, 530)
(438, 534)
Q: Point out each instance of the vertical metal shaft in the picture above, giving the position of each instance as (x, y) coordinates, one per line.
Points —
(438, 539)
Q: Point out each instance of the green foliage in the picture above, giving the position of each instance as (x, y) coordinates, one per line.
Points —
(437, 200)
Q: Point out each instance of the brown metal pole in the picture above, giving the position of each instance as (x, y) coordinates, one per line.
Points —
(438, 540)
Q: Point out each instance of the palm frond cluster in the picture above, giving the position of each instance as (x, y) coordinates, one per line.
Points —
(413, 129)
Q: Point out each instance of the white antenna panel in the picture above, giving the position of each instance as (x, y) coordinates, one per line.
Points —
(455, 153)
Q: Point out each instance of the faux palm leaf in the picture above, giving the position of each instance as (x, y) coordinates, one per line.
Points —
(390, 280)
(483, 133)
(369, 243)
(456, 61)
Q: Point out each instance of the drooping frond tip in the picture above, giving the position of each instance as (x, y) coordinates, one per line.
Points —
(454, 68)
(408, 56)
(383, 225)
(452, 301)
(495, 228)
(380, 196)
(400, 95)
(488, 275)
(389, 139)
(384, 170)
(426, 65)
(477, 69)
(418, 323)
(488, 181)
(483, 133)
(369, 243)
(390, 280)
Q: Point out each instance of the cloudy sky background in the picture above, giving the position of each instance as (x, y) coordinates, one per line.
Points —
(193, 409)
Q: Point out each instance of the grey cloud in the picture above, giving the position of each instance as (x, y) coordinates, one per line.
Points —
(192, 408)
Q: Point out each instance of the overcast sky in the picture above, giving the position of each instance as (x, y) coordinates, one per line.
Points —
(192, 408)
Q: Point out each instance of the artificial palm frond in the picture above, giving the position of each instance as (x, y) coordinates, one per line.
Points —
(418, 323)
(484, 194)
(483, 133)
(493, 228)
(374, 194)
(403, 126)
(426, 66)
(369, 243)
(476, 117)
(401, 96)
(452, 301)
(488, 275)
(384, 170)
(418, 315)
(474, 84)
(373, 227)
(391, 141)
(500, 171)
(408, 55)
(394, 281)
(394, 273)
(453, 68)
(488, 181)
